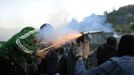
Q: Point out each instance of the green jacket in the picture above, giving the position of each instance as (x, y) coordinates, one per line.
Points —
(21, 46)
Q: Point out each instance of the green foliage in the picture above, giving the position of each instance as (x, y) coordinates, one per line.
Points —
(122, 19)
(132, 27)
(123, 28)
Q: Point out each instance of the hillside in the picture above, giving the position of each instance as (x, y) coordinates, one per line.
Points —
(122, 19)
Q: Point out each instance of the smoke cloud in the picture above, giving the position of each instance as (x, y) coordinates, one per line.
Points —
(92, 23)
(58, 36)
(71, 30)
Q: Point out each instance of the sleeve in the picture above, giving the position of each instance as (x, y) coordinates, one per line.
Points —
(104, 69)
(27, 42)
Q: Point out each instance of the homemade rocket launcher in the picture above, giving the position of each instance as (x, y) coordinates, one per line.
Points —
(85, 35)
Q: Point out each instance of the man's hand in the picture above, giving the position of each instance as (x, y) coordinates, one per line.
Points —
(41, 53)
(78, 52)
(82, 50)
(86, 50)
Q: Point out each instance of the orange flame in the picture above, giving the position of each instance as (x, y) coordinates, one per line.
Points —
(66, 38)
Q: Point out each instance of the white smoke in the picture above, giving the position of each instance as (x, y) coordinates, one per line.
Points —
(92, 23)
(59, 36)
(89, 24)
(46, 34)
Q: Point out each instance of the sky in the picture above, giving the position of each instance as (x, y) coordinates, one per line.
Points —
(16, 14)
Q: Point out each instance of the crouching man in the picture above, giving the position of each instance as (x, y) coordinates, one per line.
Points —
(20, 48)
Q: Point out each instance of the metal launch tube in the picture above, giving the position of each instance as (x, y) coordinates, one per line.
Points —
(49, 47)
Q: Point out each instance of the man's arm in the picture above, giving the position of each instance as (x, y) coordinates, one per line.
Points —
(107, 68)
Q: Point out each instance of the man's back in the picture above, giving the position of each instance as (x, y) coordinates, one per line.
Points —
(104, 52)
(115, 66)
(124, 64)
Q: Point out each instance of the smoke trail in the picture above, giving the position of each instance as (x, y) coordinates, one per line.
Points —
(71, 31)
(59, 36)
